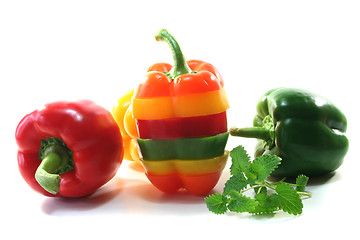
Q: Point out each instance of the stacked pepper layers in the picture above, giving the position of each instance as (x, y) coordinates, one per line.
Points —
(180, 114)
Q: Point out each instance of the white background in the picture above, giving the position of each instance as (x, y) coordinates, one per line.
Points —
(68, 50)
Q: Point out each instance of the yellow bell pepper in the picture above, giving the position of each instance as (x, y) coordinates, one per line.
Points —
(123, 116)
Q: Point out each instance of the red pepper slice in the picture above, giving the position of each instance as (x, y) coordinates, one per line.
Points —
(200, 126)
(87, 131)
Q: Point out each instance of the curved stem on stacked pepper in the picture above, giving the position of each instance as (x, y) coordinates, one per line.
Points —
(180, 66)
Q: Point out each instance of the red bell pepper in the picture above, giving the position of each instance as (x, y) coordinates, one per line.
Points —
(68, 149)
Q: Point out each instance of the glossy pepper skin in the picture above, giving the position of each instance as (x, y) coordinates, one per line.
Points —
(68, 149)
(183, 148)
(306, 130)
(180, 112)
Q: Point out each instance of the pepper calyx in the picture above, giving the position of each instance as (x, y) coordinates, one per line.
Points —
(268, 124)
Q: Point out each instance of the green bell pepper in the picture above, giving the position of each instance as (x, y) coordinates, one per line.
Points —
(304, 129)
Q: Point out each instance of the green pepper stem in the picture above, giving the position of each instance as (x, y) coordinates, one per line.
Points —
(180, 66)
(251, 132)
(45, 176)
(56, 159)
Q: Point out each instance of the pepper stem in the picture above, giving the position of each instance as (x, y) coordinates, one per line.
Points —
(56, 159)
(180, 66)
(251, 132)
(264, 132)
(45, 176)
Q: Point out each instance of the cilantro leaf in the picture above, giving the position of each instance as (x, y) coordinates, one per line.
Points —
(287, 199)
(241, 203)
(217, 203)
(240, 160)
(264, 165)
(301, 182)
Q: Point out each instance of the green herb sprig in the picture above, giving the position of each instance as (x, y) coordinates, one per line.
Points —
(247, 175)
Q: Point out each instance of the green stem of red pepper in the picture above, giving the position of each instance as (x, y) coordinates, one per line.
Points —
(180, 66)
(56, 159)
(44, 174)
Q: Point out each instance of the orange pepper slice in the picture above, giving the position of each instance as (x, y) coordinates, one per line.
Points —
(180, 106)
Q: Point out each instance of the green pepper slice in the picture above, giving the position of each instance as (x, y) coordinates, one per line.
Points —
(183, 148)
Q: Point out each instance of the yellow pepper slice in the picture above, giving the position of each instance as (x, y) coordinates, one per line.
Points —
(188, 167)
(180, 106)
